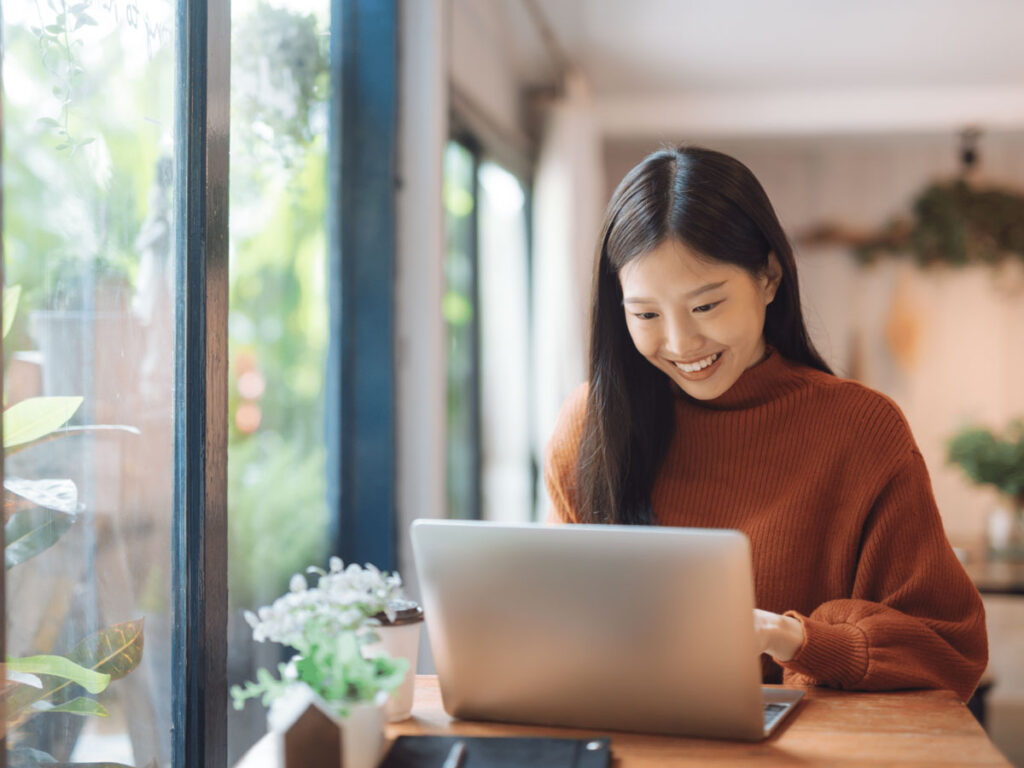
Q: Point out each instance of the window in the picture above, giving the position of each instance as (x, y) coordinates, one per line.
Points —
(128, 381)
(507, 466)
(278, 319)
(89, 251)
(491, 471)
(460, 308)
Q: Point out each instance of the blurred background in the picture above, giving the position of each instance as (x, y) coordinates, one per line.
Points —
(888, 135)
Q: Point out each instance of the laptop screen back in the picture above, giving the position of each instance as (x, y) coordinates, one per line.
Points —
(630, 628)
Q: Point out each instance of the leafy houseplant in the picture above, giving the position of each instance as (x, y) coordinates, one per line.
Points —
(37, 513)
(998, 460)
(327, 625)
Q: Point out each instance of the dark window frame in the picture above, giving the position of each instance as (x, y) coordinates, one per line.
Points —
(361, 385)
(199, 529)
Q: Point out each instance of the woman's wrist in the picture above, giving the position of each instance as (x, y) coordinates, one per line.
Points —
(787, 638)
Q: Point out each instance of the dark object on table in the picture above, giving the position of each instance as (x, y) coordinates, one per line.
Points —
(431, 752)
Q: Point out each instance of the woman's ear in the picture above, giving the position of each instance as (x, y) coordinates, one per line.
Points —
(771, 278)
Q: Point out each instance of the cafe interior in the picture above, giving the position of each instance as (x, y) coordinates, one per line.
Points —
(324, 267)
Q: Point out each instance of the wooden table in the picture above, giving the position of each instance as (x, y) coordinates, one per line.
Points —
(835, 728)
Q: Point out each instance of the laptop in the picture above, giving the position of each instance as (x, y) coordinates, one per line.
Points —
(625, 628)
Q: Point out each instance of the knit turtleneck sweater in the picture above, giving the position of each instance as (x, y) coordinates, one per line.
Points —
(824, 477)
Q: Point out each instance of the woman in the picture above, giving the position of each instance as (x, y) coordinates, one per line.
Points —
(708, 406)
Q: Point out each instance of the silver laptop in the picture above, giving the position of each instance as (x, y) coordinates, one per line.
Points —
(628, 628)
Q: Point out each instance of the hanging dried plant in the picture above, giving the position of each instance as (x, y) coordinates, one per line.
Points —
(952, 223)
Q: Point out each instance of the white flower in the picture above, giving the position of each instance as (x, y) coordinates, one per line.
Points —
(290, 671)
(344, 599)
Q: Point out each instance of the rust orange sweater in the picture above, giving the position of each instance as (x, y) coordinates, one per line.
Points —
(824, 477)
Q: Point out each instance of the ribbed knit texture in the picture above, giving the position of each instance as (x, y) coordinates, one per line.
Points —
(824, 477)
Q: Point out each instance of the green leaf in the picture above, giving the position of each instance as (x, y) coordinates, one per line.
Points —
(24, 679)
(59, 494)
(32, 531)
(36, 417)
(66, 431)
(59, 666)
(11, 296)
(115, 651)
(85, 19)
(80, 706)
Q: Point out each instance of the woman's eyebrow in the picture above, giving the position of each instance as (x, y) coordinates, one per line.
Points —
(706, 288)
(690, 295)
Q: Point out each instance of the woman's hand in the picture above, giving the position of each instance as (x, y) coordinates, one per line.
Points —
(778, 636)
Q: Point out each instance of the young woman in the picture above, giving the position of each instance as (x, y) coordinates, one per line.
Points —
(708, 406)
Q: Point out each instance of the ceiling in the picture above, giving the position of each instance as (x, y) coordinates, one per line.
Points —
(652, 46)
(879, 63)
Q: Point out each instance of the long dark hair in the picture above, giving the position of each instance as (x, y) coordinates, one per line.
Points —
(715, 206)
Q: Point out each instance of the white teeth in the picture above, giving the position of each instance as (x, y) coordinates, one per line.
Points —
(700, 364)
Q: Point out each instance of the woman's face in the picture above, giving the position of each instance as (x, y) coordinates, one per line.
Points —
(700, 322)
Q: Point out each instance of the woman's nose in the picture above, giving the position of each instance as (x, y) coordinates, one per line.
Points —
(682, 338)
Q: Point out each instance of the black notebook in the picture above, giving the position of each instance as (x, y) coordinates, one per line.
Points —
(431, 751)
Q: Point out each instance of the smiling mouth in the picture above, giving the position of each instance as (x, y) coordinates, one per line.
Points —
(700, 365)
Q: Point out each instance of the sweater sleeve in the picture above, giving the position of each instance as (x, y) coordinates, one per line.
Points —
(560, 458)
(914, 618)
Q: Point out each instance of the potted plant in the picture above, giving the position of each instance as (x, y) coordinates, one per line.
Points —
(37, 514)
(328, 625)
(998, 460)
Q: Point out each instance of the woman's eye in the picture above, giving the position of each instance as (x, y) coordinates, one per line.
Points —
(706, 307)
(646, 315)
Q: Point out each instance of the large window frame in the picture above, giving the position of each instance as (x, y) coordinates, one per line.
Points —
(360, 415)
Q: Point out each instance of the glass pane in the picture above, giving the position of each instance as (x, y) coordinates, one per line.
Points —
(506, 460)
(277, 511)
(89, 363)
(459, 308)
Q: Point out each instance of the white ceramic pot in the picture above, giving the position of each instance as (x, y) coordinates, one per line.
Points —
(400, 640)
(362, 734)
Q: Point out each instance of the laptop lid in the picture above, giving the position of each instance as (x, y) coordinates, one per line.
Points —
(633, 628)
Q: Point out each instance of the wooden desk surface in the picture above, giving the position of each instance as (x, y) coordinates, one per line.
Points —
(836, 728)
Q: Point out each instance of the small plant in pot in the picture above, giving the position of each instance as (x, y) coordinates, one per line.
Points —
(988, 458)
(329, 625)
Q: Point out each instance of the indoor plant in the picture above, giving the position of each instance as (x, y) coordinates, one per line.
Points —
(327, 625)
(998, 460)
